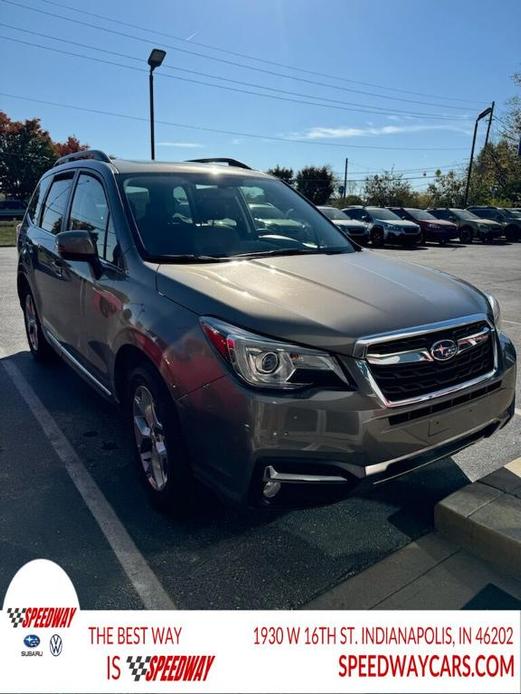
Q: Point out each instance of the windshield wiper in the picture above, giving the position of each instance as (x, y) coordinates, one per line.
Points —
(294, 251)
(191, 258)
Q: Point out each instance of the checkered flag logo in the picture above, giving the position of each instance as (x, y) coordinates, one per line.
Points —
(138, 666)
(16, 615)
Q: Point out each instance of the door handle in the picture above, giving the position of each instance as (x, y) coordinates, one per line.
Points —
(58, 266)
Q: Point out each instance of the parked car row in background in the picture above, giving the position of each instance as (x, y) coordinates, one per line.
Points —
(411, 226)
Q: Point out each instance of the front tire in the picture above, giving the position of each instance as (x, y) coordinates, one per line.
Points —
(377, 237)
(465, 235)
(158, 443)
(40, 348)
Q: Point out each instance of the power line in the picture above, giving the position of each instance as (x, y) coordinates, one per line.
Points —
(257, 59)
(221, 60)
(236, 133)
(376, 110)
(215, 86)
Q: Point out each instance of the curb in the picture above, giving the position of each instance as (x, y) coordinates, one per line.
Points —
(485, 518)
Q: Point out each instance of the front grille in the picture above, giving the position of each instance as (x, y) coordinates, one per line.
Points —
(404, 381)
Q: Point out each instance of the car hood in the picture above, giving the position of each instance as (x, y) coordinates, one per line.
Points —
(440, 223)
(326, 301)
(396, 222)
(352, 223)
(488, 222)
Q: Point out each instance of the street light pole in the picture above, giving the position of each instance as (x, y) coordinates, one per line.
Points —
(483, 114)
(345, 179)
(155, 59)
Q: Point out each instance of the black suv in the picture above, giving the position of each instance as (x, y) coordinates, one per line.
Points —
(510, 221)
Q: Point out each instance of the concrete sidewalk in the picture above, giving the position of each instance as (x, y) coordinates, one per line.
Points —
(473, 561)
(430, 574)
(484, 518)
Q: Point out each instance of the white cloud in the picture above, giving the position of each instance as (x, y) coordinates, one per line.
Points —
(322, 133)
(186, 145)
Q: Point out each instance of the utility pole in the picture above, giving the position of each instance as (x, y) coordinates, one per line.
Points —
(483, 114)
(489, 123)
(345, 178)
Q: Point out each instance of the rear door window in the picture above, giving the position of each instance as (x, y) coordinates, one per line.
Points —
(35, 206)
(56, 203)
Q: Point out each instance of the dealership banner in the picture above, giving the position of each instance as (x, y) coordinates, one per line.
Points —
(48, 644)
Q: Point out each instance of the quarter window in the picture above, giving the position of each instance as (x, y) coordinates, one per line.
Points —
(35, 206)
(56, 203)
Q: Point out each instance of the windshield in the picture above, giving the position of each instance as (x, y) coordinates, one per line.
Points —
(266, 212)
(214, 216)
(382, 213)
(420, 214)
(464, 214)
(333, 213)
(512, 214)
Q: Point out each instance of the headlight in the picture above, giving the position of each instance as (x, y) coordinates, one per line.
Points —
(266, 363)
(496, 310)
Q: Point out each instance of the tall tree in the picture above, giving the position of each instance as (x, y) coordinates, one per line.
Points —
(387, 189)
(316, 183)
(285, 174)
(26, 151)
(447, 189)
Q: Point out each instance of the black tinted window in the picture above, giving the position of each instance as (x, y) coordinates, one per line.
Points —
(55, 204)
(35, 206)
(89, 210)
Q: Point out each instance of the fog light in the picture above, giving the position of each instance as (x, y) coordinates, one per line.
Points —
(271, 489)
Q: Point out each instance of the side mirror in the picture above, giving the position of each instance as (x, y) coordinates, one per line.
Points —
(77, 245)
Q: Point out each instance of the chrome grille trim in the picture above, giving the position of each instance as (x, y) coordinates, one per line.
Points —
(363, 346)
(413, 355)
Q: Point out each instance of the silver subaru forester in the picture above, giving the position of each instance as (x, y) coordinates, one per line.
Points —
(247, 354)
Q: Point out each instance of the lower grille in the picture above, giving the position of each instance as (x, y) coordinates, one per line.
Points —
(403, 381)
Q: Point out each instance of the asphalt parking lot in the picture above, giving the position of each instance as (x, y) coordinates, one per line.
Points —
(220, 557)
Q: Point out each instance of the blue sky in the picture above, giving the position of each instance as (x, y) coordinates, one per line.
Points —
(404, 75)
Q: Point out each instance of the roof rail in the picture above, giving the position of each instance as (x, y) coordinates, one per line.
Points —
(84, 154)
(221, 160)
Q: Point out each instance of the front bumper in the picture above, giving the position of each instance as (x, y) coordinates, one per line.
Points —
(236, 433)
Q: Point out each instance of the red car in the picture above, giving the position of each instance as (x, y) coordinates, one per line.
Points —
(433, 229)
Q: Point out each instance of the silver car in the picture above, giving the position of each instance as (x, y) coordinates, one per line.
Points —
(386, 226)
(247, 356)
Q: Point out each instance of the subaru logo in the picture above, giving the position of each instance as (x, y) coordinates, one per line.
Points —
(444, 350)
(56, 644)
(31, 641)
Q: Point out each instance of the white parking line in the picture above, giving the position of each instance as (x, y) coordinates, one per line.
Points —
(518, 411)
(139, 573)
(514, 322)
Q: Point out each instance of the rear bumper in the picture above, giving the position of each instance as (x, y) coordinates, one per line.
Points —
(235, 434)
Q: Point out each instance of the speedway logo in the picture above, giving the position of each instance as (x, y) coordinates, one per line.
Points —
(41, 617)
(170, 668)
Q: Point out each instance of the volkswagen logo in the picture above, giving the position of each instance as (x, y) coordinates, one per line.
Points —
(443, 350)
(56, 644)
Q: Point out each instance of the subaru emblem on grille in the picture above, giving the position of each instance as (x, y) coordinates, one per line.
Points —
(443, 350)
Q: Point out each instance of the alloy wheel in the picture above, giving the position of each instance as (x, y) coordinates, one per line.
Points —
(150, 438)
(31, 322)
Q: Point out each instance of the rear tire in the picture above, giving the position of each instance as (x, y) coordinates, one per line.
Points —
(158, 442)
(40, 348)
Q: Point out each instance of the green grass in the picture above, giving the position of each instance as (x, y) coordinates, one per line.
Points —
(8, 233)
